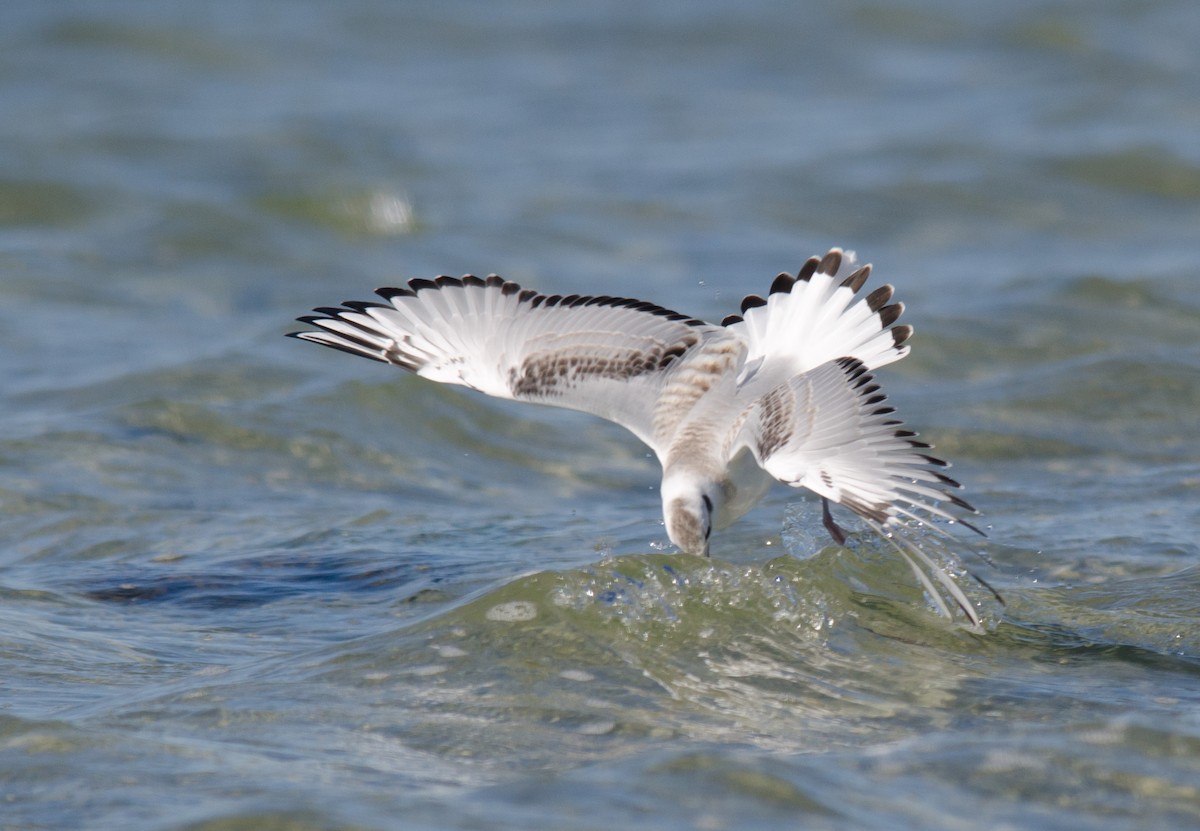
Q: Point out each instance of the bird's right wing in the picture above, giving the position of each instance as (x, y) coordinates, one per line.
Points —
(608, 356)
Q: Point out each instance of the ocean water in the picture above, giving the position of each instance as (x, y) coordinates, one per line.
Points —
(246, 583)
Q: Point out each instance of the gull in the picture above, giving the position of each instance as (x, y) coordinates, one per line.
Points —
(782, 391)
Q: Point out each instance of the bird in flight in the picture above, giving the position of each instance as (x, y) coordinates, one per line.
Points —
(782, 391)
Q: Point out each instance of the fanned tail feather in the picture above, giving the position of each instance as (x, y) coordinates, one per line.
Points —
(817, 316)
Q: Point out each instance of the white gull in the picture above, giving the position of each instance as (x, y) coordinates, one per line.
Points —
(781, 391)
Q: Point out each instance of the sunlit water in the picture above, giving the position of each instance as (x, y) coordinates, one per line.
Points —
(249, 583)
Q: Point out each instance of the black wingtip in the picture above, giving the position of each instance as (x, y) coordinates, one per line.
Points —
(390, 292)
(877, 299)
(980, 533)
(831, 262)
(752, 301)
(418, 284)
(854, 368)
(961, 503)
(346, 345)
(363, 305)
(783, 283)
(890, 314)
(857, 279)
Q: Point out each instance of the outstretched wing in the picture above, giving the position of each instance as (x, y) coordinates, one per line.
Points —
(813, 317)
(609, 356)
(830, 430)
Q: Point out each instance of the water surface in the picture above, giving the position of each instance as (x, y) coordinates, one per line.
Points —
(248, 583)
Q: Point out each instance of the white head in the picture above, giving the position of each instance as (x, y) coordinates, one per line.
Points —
(688, 508)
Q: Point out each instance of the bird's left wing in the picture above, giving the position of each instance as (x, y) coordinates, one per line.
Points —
(609, 356)
(830, 430)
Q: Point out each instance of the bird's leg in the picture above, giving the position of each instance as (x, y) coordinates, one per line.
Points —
(835, 530)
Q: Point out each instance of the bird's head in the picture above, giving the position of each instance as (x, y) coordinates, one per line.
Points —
(688, 508)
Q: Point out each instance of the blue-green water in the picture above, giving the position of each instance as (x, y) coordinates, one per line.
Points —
(249, 583)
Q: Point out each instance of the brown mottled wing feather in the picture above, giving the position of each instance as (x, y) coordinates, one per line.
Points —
(605, 355)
